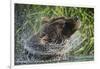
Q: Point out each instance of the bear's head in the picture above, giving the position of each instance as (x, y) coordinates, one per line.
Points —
(57, 29)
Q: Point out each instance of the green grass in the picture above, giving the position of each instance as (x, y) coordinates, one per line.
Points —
(31, 15)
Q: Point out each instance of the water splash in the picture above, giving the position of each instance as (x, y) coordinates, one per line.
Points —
(32, 46)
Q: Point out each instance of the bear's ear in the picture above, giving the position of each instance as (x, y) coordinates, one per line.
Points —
(45, 20)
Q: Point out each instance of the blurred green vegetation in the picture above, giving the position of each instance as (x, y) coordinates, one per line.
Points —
(31, 16)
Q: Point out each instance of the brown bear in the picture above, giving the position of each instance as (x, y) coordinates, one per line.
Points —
(54, 31)
(58, 29)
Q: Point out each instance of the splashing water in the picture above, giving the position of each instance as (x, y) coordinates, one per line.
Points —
(38, 51)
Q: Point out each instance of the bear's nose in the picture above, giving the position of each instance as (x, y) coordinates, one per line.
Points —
(44, 40)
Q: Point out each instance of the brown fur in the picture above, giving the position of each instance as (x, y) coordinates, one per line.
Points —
(58, 29)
